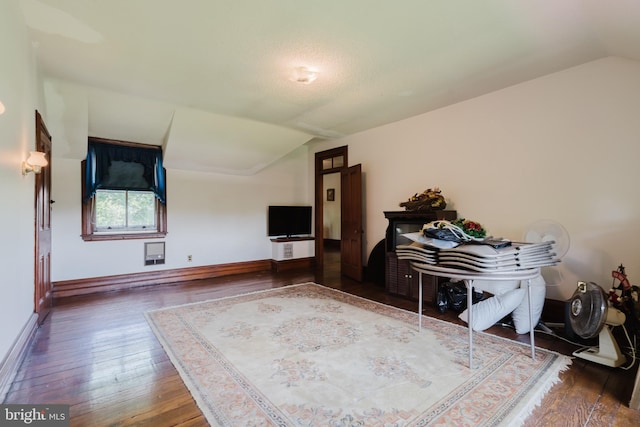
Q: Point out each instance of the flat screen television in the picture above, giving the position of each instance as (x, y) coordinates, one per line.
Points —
(288, 221)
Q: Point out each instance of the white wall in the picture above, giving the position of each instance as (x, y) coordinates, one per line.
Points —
(563, 147)
(17, 138)
(215, 218)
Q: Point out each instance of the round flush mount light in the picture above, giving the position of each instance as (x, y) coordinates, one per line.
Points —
(304, 75)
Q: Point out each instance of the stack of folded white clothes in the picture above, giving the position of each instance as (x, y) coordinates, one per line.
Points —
(485, 258)
(478, 255)
(417, 252)
(423, 249)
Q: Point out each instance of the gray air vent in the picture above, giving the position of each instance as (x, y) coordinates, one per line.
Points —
(288, 251)
(153, 253)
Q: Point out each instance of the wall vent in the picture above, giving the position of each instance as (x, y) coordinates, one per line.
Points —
(153, 253)
(287, 250)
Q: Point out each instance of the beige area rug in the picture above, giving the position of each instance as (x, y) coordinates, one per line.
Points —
(308, 355)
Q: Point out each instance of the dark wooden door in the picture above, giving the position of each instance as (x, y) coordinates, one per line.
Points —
(43, 291)
(351, 223)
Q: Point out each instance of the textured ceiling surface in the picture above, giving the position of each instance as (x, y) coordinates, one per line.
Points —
(210, 80)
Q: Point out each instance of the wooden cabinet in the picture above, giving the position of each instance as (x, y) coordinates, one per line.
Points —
(400, 279)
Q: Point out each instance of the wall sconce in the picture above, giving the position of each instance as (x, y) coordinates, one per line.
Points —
(34, 163)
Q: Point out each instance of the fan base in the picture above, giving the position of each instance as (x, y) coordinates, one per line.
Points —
(593, 354)
(607, 353)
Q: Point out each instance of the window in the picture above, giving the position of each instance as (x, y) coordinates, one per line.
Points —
(124, 210)
(123, 191)
(333, 162)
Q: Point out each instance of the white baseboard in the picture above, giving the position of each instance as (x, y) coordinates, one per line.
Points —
(11, 363)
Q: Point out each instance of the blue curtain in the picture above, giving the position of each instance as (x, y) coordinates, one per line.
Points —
(122, 167)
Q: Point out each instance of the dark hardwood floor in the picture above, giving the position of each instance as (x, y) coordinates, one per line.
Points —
(97, 354)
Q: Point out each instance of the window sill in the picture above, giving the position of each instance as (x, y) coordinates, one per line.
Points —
(121, 236)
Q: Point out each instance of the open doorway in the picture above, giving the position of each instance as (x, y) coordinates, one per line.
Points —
(327, 163)
(331, 218)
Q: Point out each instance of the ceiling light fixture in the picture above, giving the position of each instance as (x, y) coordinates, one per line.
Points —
(304, 75)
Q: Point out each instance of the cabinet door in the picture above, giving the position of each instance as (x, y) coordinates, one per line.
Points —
(401, 279)
(429, 287)
(405, 276)
(398, 275)
(391, 273)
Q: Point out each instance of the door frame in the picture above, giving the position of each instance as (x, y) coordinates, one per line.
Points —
(43, 293)
(325, 164)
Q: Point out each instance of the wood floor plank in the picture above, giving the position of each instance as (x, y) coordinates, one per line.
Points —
(613, 408)
(126, 404)
(579, 390)
(54, 385)
(98, 354)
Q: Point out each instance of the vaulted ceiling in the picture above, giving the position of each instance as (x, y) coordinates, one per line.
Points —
(211, 80)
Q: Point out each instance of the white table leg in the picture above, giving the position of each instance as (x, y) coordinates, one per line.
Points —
(531, 325)
(469, 284)
(420, 302)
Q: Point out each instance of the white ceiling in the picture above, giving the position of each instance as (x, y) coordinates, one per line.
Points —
(210, 79)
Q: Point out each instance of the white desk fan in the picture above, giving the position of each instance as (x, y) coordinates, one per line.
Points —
(546, 230)
(591, 316)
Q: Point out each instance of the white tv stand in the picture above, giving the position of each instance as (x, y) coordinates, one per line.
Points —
(292, 252)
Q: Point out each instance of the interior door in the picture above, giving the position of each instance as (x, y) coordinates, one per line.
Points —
(43, 291)
(351, 223)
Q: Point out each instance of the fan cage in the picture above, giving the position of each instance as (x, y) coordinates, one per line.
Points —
(588, 310)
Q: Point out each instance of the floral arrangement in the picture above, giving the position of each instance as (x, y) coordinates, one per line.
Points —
(429, 199)
(471, 228)
(459, 230)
